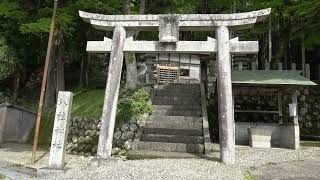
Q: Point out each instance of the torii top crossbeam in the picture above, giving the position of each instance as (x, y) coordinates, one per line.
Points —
(186, 22)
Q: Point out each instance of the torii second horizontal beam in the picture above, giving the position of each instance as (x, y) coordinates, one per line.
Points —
(209, 46)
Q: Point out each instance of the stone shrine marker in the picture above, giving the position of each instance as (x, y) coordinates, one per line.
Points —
(60, 130)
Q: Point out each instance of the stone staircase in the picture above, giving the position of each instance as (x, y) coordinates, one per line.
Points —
(176, 123)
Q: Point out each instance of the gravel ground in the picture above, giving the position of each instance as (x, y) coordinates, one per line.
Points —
(192, 168)
(196, 168)
(306, 169)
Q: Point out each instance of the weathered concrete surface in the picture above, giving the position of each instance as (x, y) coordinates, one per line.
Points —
(225, 108)
(260, 137)
(169, 28)
(187, 22)
(60, 130)
(289, 136)
(307, 169)
(13, 174)
(131, 65)
(111, 96)
(242, 134)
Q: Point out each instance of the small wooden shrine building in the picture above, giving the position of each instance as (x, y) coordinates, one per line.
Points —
(270, 83)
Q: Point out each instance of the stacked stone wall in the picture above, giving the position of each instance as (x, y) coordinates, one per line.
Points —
(84, 135)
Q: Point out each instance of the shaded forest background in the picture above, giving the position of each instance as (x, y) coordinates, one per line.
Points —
(24, 26)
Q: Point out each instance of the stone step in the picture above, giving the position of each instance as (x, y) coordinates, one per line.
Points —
(176, 119)
(184, 90)
(171, 147)
(177, 107)
(172, 131)
(147, 154)
(177, 98)
(178, 85)
(177, 113)
(177, 93)
(162, 100)
(172, 138)
(171, 112)
(173, 125)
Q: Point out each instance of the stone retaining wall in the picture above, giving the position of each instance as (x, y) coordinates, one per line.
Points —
(84, 134)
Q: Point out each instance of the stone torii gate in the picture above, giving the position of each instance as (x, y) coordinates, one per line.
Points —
(169, 27)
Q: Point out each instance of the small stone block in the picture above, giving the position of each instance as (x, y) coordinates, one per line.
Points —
(260, 137)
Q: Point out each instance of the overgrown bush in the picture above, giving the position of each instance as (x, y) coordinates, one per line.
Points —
(133, 104)
(8, 60)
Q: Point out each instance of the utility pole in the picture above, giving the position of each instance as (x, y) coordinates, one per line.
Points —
(44, 82)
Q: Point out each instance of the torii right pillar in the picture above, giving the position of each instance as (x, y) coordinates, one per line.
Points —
(225, 107)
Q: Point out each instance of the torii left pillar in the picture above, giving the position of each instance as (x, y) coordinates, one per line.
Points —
(111, 94)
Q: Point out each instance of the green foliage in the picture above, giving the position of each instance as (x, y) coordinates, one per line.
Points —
(11, 10)
(8, 60)
(88, 104)
(310, 143)
(41, 26)
(133, 104)
(248, 176)
(46, 127)
(2, 177)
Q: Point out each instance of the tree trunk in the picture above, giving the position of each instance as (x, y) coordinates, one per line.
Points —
(303, 56)
(132, 73)
(16, 86)
(60, 65)
(142, 6)
(86, 70)
(130, 58)
(50, 95)
(270, 40)
(126, 7)
(81, 79)
(55, 82)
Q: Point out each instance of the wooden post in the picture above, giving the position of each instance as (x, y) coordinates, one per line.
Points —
(280, 68)
(226, 123)
(293, 66)
(294, 99)
(44, 82)
(111, 95)
(303, 56)
(270, 41)
(253, 66)
(296, 129)
(319, 71)
(240, 67)
(307, 71)
(280, 107)
(267, 66)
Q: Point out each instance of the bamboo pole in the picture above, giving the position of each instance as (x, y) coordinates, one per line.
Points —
(44, 82)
